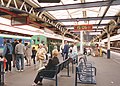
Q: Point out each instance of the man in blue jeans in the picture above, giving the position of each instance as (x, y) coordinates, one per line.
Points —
(66, 50)
(19, 51)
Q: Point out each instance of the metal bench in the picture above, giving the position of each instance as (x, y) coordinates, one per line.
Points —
(52, 75)
(85, 72)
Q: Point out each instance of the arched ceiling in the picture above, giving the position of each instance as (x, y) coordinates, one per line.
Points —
(65, 14)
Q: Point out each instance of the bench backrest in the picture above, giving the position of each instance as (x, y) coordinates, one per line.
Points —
(62, 65)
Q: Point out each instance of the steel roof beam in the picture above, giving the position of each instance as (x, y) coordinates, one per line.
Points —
(109, 4)
(86, 19)
(93, 25)
(92, 29)
(78, 5)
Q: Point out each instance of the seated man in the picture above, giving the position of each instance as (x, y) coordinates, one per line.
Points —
(50, 66)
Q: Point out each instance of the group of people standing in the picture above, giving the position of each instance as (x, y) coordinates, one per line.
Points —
(68, 50)
(16, 52)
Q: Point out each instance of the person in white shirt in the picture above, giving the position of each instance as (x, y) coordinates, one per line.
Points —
(75, 51)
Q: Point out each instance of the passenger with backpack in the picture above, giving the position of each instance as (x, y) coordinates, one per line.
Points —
(7, 53)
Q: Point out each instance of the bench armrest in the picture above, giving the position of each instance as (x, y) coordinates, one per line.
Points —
(49, 70)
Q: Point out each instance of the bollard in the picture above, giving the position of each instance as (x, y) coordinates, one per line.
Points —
(1, 73)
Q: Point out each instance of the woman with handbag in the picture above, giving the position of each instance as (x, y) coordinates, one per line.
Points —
(41, 55)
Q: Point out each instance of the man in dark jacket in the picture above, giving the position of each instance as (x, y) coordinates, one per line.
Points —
(13, 53)
(66, 50)
(7, 53)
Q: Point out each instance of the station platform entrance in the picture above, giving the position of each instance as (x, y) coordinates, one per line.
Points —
(107, 75)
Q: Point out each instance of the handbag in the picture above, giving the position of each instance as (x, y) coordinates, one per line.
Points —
(40, 57)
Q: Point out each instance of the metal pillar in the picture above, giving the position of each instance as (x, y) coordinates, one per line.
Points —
(1, 73)
(108, 48)
(63, 47)
(62, 41)
(99, 41)
(81, 42)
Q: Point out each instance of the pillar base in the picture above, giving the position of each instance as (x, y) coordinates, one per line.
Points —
(108, 54)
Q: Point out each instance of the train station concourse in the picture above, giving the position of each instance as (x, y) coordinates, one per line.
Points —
(59, 42)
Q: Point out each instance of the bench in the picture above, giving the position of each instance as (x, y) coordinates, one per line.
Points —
(73, 60)
(85, 72)
(52, 75)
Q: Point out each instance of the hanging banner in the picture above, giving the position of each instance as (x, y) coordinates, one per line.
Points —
(83, 27)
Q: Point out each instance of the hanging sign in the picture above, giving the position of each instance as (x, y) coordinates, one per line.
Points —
(83, 27)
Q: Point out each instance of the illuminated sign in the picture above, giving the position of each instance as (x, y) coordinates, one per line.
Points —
(83, 27)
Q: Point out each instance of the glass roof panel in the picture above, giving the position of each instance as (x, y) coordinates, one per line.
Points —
(93, 0)
(70, 1)
(105, 21)
(113, 10)
(61, 14)
(82, 12)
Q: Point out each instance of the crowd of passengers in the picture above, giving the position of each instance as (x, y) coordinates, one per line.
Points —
(16, 52)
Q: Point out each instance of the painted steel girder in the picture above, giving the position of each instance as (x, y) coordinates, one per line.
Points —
(93, 25)
(86, 19)
(78, 5)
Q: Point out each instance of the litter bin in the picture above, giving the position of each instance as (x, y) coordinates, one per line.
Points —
(101, 52)
(1, 73)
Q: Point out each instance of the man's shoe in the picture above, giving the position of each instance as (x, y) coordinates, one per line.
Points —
(34, 84)
(18, 70)
(13, 65)
(22, 70)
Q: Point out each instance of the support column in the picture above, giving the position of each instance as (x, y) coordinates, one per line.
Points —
(63, 41)
(100, 47)
(81, 42)
(108, 46)
(99, 41)
(63, 46)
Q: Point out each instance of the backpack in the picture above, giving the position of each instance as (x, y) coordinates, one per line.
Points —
(7, 51)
